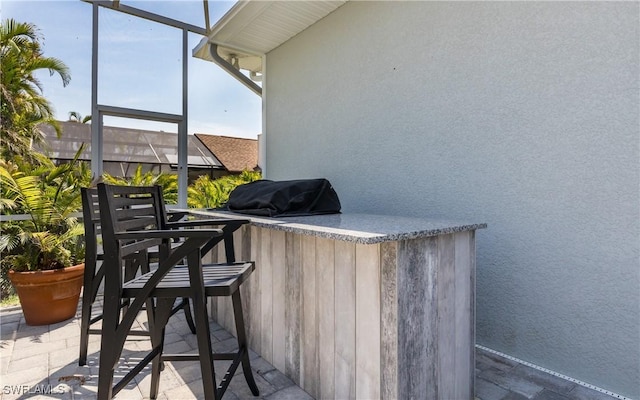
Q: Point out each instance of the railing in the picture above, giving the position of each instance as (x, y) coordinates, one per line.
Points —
(26, 217)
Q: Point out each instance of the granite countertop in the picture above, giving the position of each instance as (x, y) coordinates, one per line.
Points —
(359, 228)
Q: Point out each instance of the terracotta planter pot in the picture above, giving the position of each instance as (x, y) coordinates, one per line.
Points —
(48, 297)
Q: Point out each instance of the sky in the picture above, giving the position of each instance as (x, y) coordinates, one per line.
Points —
(139, 65)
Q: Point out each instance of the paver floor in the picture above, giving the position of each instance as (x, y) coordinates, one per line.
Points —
(41, 362)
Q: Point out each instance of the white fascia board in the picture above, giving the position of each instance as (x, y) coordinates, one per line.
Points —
(241, 15)
(270, 22)
(229, 25)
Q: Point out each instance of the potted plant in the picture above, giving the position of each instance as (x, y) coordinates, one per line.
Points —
(41, 240)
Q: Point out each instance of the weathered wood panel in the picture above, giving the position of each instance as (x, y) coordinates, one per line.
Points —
(209, 258)
(389, 321)
(242, 247)
(225, 305)
(277, 261)
(464, 318)
(446, 317)
(293, 306)
(254, 333)
(266, 295)
(309, 369)
(345, 316)
(367, 321)
(325, 267)
(349, 321)
(417, 353)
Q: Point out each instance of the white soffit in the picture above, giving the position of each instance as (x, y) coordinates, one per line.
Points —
(253, 28)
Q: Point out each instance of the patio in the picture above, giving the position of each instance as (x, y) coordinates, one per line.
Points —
(40, 362)
(519, 114)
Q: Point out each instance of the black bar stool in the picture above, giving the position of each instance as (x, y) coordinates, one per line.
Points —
(132, 221)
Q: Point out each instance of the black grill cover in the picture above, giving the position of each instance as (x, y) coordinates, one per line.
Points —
(284, 198)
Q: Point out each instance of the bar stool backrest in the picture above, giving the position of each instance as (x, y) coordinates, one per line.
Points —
(130, 208)
(91, 217)
(123, 209)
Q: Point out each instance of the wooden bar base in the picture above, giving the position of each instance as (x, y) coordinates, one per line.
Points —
(343, 320)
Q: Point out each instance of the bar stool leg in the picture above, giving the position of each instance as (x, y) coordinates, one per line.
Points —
(205, 349)
(242, 342)
(85, 322)
(187, 314)
(184, 306)
(160, 316)
(109, 353)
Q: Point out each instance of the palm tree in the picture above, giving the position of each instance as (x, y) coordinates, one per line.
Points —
(75, 116)
(49, 196)
(23, 108)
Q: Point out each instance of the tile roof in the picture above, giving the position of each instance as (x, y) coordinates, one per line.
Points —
(125, 145)
(236, 154)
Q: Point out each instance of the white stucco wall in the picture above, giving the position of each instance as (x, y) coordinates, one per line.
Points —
(522, 115)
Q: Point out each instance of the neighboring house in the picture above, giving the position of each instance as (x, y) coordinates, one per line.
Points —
(523, 115)
(235, 154)
(125, 149)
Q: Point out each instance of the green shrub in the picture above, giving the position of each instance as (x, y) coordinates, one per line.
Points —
(213, 193)
(169, 182)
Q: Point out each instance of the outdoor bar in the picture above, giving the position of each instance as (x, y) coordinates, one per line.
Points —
(360, 306)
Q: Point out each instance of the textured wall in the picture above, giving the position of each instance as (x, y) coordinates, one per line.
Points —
(522, 115)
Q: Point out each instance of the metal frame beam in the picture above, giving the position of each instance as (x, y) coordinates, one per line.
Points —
(139, 114)
(148, 16)
(99, 111)
(96, 130)
(183, 140)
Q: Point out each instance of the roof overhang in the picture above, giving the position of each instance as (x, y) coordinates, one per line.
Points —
(253, 28)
